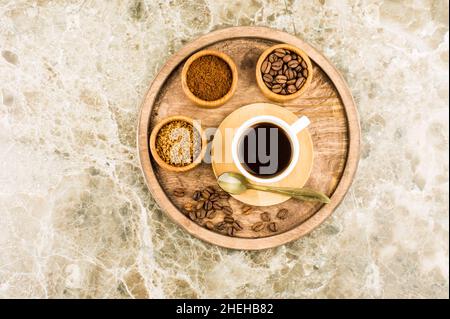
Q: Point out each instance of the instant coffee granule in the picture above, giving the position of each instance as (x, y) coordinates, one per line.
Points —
(209, 78)
(178, 143)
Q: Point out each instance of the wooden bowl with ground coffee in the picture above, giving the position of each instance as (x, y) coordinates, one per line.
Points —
(177, 143)
(209, 78)
(283, 72)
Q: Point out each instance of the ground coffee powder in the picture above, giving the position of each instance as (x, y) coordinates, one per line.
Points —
(209, 78)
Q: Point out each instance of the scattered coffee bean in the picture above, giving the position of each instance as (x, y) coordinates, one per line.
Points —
(227, 210)
(224, 195)
(246, 210)
(211, 189)
(192, 215)
(200, 214)
(221, 226)
(179, 192)
(217, 205)
(272, 226)
(205, 194)
(209, 225)
(231, 231)
(228, 219)
(214, 197)
(284, 72)
(199, 204)
(282, 213)
(265, 217)
(197, 195)
(258, 226)
(237, 225)
(211, 214)
(207, 205)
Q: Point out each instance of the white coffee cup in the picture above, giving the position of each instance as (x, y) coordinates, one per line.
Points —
(291, 132)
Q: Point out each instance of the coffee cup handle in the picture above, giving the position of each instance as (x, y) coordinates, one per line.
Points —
(300, 124)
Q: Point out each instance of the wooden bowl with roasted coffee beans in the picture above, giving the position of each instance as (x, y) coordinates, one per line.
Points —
(283, 72)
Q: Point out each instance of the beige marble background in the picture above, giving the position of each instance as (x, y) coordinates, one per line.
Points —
(76, 219)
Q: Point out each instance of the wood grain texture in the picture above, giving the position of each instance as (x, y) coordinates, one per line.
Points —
(327, 102)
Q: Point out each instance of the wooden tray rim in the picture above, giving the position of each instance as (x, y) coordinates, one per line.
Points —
(158, 192)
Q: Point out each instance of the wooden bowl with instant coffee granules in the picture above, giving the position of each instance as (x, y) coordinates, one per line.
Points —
(209, 78)
(177, 143)
(283, 72)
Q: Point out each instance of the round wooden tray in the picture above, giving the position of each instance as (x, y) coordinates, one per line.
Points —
(334, 129)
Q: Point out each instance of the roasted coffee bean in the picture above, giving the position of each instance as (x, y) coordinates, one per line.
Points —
(277, 65)
(210, 189)
(265, 67)
(267, 78)
(214, 197)
(287, 58)
(224, 195)
(221, 225)
(179, 192)
(303, 64)
(211, 214)
(277, 88)
(246, 210)
(281, 79)
(280, 72)
(283, 92)
(205, 194)
(207, 205)
(258, 226)
(209, 225)
(282, 213)
(188, 207)
(228, 219)
(291, 81)
(269, 85)
(265, 217)
(299, 82)
(237, 225)
(272, 58)
(289, 74)
(192, 215)
(299, 69)
(200, 213)
(199, 204)
(273, 72)
(227, 210)
(291, 89)
(305, 73)
(294, 56)
(217, 205)
(231, 231)
(280, 52)
(273, 227)
(292, 64)
(197, 195)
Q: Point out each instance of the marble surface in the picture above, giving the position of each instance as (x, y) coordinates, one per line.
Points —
(76, 219)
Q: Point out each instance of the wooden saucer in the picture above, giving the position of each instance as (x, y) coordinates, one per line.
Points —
(221, 152)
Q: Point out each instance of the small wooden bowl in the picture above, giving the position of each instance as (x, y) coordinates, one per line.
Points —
(160, 161)
(197, 100)
(259, 78)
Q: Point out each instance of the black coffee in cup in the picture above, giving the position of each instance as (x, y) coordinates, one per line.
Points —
(265, 150)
